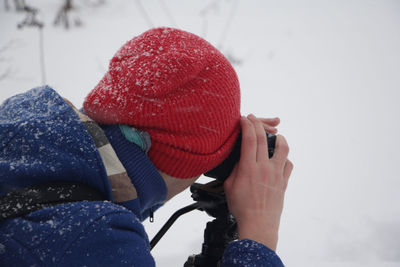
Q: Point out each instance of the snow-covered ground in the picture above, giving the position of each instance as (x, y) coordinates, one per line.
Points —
(329, 69)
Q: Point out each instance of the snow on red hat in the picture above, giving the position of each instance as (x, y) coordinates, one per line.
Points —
(181, 90)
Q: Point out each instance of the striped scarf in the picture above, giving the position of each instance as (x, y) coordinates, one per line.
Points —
(121, 185)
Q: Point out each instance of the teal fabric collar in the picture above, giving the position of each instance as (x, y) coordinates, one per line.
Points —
(138, 137)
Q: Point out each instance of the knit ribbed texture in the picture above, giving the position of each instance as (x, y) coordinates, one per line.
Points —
(144, 176)
(178, 88)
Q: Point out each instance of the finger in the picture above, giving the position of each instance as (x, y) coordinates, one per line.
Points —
(281, 151)
(248, 153)
(287, 171)
(270, 129)
(262, 145)
(272, 122)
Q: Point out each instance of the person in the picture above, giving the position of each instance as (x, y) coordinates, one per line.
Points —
(76, 184)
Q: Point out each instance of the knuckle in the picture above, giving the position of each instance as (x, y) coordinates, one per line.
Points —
(286, 149)
(257, 121)
(261, 135)
(283, 145)
(247, 167)
(290, 165)
(288, 169)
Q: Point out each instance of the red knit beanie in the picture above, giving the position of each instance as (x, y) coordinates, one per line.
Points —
(178, 88)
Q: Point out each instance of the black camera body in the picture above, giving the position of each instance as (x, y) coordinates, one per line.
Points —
(223, 170)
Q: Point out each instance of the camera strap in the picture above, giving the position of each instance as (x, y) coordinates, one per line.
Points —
(26, 200)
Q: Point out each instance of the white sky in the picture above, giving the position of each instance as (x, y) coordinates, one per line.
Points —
(329, 69)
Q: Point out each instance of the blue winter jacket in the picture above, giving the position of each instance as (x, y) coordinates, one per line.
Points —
(42, 139)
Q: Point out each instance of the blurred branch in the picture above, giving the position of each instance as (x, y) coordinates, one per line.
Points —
(168, 12)
(213, 6)
(12, 44)
(31, 21)
(5, 74)
(41, 57)
(233, 59)
(19, 5)
(3, 49)
(94, 3)
(62, 17)
(30, 13)
(6, 5)
(144, 13)
(228, 24)
(30, 18)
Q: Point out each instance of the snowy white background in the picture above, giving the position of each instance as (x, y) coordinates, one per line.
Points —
(329, 69)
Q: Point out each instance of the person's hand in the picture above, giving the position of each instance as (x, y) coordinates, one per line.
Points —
(270, 124)
(256, 188)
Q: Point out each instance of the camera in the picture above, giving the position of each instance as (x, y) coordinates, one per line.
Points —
(223, 170)
(210, 198)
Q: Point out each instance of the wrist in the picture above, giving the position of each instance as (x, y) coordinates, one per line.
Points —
(263, 235)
